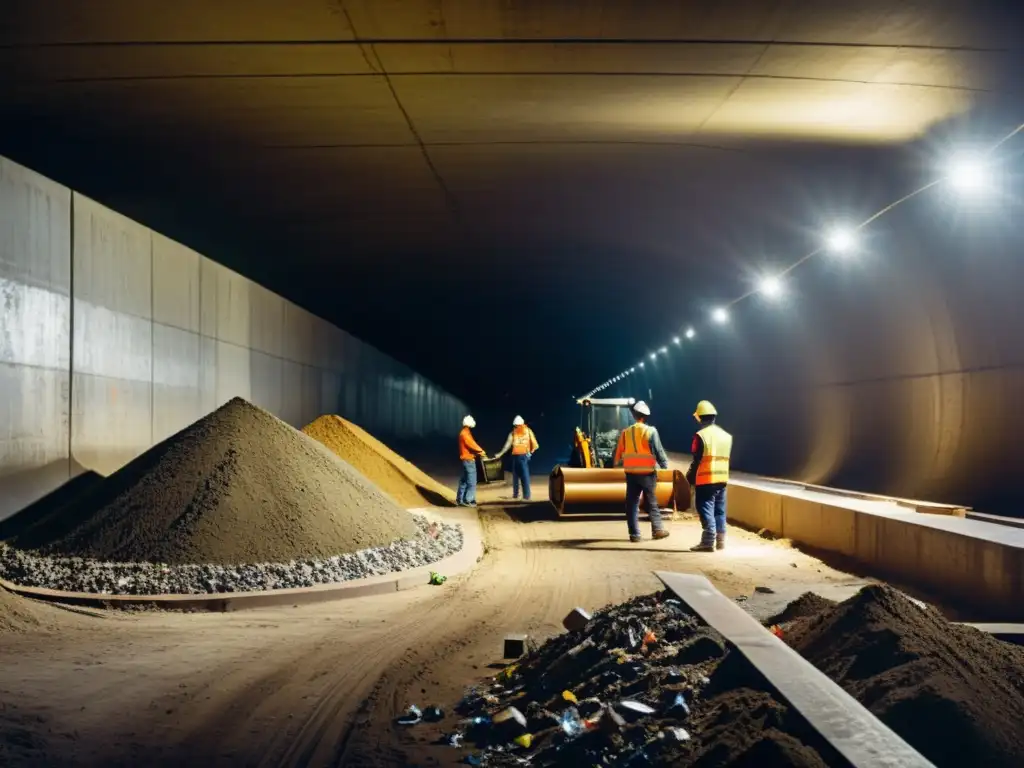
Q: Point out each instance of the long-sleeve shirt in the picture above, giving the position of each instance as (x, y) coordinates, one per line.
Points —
(468, 448)
(508, 444)
(654, 440)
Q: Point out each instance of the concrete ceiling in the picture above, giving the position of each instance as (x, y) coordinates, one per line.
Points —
(360, 140)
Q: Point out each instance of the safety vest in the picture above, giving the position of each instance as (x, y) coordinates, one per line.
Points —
(523, 441)
(714, 463)
(637, 456)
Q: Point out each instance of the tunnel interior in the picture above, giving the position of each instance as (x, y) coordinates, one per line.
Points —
(513, 202)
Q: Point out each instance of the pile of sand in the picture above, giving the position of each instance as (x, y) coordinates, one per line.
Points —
(954, 693)
(400, 479)
(237, 486)
(17, 614)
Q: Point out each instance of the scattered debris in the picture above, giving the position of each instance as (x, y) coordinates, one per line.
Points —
(952, 692)
(645, 684)
(437, 579)
(412, 716)
(576, 620)
(764, 590)
(515, 646)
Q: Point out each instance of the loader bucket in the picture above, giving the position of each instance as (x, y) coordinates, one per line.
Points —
(603, 491)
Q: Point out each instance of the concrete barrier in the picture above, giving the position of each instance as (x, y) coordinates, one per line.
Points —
(973, 561)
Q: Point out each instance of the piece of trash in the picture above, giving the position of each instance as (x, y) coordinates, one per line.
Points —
(515, 646)
(524, 740)
(412, 716)
(765, 590)
(437, 579)
(704, 680)
(473, 759)
(577, 619)
(453, 739)
(677, 735)
(510, 716)
(589, 707)
(674, 674)
(630, 706)
(741, 598)
(650, 637)
(570, 697)
(571, 723)
(634, 639)
(678, 707)
(508, 672)
(776, 630)
(433, 714)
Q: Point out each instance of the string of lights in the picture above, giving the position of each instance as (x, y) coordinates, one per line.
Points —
(967, 174)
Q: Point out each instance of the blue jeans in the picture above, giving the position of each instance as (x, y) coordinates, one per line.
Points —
(710, 503)
(467, 483)
(521, 474)
(637, 486)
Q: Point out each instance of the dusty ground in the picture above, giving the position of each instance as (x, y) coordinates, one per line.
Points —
(319, 685)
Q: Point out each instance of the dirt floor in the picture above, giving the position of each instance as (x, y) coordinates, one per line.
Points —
(320, 685)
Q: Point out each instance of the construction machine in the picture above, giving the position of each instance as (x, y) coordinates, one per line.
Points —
(590, 483)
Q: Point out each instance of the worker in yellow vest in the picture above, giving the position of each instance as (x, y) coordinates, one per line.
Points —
(709, 476)
(640, 452)
(523, 444)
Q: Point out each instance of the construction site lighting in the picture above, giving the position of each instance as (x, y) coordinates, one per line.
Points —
(633, 369)
(841, 241)
(771, 286)
(690, 333)
(641, 363)
(676, 341)
(664, 350)
(719, 315)
(653, 356)
(969, 174)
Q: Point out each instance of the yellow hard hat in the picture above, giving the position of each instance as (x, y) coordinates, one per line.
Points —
(704, 408)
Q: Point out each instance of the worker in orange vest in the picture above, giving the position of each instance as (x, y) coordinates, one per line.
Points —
(709, 476)
(468, 452)
(523, 445)
(640, 452)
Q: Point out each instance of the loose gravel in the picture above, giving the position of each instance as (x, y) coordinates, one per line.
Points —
(433, 542)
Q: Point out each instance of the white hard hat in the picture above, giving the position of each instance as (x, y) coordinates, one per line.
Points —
(518, 421)
(469, 421)
(641, 408)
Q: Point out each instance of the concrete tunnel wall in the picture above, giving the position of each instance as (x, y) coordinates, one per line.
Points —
(114, 337)
(899, 371)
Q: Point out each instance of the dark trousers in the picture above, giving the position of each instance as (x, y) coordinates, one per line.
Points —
(521, 474)
(467, 483)
(637, 486)
(710, 503)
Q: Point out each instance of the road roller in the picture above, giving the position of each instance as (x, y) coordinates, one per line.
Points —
(590, 483)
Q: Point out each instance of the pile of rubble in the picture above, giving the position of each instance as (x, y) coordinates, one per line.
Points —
(436, 541)
(641, 683)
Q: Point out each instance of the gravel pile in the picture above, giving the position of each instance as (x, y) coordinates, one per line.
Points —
(952, 692)
(643, 683)
(432, 543)
(402, 480)
(237, 486)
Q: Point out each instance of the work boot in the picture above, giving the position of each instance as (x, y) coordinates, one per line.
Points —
(720, 542)
(703, 547)
(660, 534)
(635, 539)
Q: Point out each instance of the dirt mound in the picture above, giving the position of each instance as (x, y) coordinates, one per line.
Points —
(16, 613)
(644, 683)
(807, 605)
(237, 486)
(400, 479)
(953, 692)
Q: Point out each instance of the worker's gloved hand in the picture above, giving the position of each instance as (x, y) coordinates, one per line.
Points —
(529, 456)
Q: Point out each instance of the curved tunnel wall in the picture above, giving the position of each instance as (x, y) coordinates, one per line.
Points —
(900, 371)
(114, 337)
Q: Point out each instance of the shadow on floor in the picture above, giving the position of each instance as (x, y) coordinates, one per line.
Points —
(595, 545)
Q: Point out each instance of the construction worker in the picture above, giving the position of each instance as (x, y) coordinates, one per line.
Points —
(523, 444)
(709, 476)
(640, 452)
(468, 452)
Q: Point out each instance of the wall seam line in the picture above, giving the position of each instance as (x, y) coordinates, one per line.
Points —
(71, 330)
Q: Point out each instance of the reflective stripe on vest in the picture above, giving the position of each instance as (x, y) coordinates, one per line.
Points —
(521, 439)
(637, 457)
(714, 464)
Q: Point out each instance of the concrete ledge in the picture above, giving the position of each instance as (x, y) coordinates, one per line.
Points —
(979, 563)
(459, 562)
(855, 733)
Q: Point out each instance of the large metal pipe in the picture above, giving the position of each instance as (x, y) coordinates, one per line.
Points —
(597, 491)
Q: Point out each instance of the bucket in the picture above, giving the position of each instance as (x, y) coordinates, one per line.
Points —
(491, 471)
